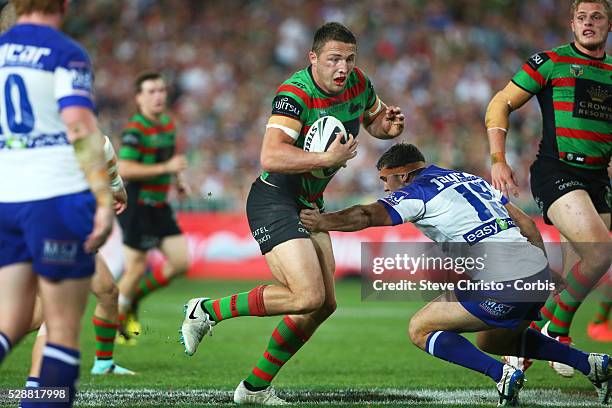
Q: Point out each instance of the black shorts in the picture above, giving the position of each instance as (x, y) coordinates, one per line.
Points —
(551, 179)
(145, 226)
(274, 216)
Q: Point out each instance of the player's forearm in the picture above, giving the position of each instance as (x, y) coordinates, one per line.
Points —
(88, 149)
(527, 226)
(350, 219)
(288, 159)
(88, 142)
(497, 145)
(116, 182)
(134, 171)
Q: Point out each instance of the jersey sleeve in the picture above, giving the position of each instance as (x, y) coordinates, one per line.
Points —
(371, 97)
(534, 74)
(74, 80)
(130, 144)
(291, 100)
(404, 205)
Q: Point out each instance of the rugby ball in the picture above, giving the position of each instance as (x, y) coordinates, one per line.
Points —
(320, 136)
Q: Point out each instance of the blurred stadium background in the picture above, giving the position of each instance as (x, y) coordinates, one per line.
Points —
(441, 61)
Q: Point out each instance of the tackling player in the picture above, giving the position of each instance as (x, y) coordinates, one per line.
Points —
(569, 180)
(55, 201)
(450, 206)
(301, 262)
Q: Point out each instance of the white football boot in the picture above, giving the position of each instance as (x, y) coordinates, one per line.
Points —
(601, 376)
(196, 325)
(264, 397)
(509, 386)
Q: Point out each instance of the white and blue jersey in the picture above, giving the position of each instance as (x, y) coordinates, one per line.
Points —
(453, 206)
(42, 71)
(46, 208)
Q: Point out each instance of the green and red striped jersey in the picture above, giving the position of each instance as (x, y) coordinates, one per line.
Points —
(148, 142)
(299, 97)
(575, 96)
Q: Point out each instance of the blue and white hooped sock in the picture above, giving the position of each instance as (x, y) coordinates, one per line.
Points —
(32, 382)
(5, 346)
(60, 368)
(457, 349)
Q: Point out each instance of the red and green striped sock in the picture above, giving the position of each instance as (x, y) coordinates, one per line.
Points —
(603, 311)
(286, 340)
(241, 304)
(578, 287)
(149, 283)
(547, 311)
(105, 331)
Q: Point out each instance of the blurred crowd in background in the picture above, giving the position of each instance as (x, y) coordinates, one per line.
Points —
(439, 60)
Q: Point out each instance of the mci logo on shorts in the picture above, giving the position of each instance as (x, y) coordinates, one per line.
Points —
(60, 252)
(494, 308)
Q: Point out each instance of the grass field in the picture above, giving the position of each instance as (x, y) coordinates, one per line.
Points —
(360, 357)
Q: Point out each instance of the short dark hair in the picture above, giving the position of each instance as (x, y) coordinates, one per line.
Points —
(145, 76)
(332, 31)
(400, 154)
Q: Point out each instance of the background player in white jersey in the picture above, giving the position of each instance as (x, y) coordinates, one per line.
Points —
(452, 206)
(106, 314)
(51, 161)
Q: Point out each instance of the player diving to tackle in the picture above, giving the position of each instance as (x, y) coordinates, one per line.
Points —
(449, 206)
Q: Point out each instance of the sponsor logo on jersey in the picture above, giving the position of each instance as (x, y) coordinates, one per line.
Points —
(354, 107)
(537, 60)
(25, 55)
(396, 197)
(286, 106)
(488, 229)
(59, 252)
(576, 70)
(592, 100)
(82, 79)
(495, 308)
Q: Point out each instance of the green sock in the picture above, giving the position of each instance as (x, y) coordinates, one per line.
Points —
(602, 312)
(578, 287)
(105, 331)
(286, 340)
(149, 283)
(241, 304)
(547, 312)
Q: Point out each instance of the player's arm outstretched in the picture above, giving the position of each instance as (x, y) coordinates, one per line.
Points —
(497, 120)
(354, 218)
(384, 122)
(526, 225)
(280, 155)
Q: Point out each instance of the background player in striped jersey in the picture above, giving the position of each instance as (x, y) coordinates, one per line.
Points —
(50, 223)
(302, 263)
(434, 199)
(569, 180)
(149, 165)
